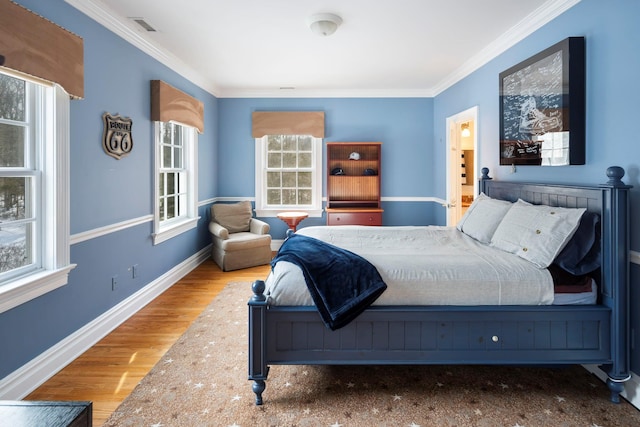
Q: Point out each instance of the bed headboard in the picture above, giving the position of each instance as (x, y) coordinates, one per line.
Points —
(611, 201)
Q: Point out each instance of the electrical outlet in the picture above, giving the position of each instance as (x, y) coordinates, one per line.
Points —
(134, 271)
(114, 283)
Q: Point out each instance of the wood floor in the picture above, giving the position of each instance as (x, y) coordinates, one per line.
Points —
(106, 373)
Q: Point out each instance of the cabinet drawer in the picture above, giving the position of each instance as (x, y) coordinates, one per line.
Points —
(354, 218)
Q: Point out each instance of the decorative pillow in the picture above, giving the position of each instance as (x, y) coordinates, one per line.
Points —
(536, 233)
(234, 217)
(581, 255)
(482, 218)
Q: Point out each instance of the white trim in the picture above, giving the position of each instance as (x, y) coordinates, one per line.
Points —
(634, 257)
(30, 376)
(169, 232)
(115, 23)
(631, 388)
(32, 286)
(102, 14)
(108, 229)
(527, 26)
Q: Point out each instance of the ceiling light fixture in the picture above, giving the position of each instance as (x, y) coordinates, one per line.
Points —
(465, 130)
(324, 24)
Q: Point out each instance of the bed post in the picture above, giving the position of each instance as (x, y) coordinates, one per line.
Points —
(258, 370)
(483, 179)
(615, 260)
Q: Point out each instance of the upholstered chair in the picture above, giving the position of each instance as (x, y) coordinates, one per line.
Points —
(239, 240)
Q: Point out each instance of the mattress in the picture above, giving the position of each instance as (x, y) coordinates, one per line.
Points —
(424, 265)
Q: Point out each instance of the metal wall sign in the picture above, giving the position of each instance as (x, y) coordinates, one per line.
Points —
(116, 138)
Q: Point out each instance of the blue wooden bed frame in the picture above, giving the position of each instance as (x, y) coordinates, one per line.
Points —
(488, 335)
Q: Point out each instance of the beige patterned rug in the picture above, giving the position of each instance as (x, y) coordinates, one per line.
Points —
(202, 381)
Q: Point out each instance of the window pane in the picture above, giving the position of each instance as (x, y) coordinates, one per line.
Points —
(14, 247)
(304, 160)
(273, 179)
(13, 198)
(274, 143)
(305, 143)
(162, 187)
(274, 197)
(162, 209)
(304, 197)
(304, 179)
(177, 157)
(165, 130)
(290, 143)
(12, 98)
(12, 139)
(166, 156)
(171, 205)
(171, 183)
(289, 160)
(177, 132)
(289, 179)
(274, 160)
(289, 197)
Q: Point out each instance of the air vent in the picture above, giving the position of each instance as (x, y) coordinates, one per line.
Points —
(143, 24)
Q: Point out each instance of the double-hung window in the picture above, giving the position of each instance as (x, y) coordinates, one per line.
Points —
(288, 174)
(176, 209)
(34, 187)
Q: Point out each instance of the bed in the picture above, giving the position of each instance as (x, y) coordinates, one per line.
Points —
(589, 328)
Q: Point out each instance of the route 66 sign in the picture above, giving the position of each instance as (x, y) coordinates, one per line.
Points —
(116, 139)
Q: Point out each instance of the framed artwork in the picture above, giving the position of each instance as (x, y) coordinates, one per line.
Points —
(542, 108)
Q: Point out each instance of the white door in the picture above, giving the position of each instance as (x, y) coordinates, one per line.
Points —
(454, 162)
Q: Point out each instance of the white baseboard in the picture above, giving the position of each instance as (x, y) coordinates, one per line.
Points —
(34, 373)
(631, 388)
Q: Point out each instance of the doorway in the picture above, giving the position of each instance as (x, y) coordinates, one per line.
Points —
(462, 171)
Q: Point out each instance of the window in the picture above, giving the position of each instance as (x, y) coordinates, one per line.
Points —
(176, 209)
(288, 174)
(34, 187)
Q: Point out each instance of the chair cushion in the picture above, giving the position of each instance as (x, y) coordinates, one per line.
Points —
(244, 240)
(234, 217)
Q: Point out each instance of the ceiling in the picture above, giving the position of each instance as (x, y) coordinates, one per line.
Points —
(258, 48)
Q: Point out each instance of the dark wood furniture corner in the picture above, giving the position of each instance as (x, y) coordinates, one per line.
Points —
(26, 413)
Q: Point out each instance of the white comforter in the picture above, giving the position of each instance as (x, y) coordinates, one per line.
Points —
(428, 265)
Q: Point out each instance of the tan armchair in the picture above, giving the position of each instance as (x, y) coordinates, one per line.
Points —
(239, 240)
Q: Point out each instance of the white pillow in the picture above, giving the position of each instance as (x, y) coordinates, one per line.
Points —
(482, 218)
(536, 233)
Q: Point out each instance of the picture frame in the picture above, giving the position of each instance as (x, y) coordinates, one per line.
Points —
(542, 107)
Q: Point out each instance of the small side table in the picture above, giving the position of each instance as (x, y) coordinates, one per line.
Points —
(292, 219)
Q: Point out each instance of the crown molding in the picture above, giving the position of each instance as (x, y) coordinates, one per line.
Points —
(102, 14)
(540, 17)
(105, 16)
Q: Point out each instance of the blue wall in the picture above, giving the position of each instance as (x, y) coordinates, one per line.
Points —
(403, 125)
(105, 191)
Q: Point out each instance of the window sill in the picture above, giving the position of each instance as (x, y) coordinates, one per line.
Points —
(174, 230)
(32, 286)
(272, 213)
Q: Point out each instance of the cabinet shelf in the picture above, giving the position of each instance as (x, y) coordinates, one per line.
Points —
(354, 189)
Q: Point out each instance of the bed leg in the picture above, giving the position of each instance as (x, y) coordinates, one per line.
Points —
(258, 387)
(258, 368)
(616, 386)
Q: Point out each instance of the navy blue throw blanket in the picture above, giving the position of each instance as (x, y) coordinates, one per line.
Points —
(342, 284)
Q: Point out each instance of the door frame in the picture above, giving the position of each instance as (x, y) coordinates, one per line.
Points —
(453, 144)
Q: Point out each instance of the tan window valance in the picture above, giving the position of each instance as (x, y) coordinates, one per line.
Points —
(36, 46)
(170, 104)
(287, 123)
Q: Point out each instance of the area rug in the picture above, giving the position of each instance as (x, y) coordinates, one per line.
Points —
(202, 381)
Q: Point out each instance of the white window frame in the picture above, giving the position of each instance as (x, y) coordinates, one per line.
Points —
(262, 210)
(165, 230)
(52, 264)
